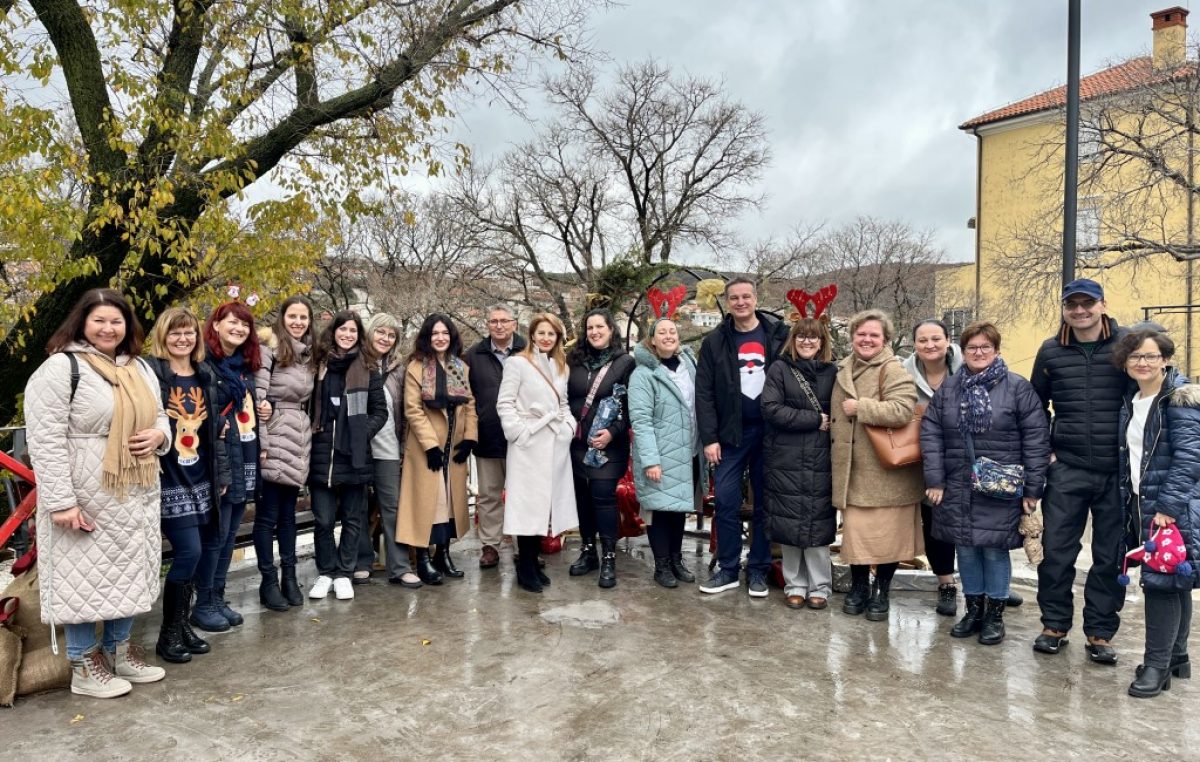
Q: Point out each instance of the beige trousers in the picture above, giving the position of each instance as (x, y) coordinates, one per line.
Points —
(489, 507)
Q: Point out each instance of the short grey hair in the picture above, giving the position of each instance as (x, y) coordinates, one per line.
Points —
(499, 307)
(384, 320)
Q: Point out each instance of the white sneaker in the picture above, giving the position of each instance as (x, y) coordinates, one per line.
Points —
(343, 588)
(129, 663)
(90, 676)
(320, 588)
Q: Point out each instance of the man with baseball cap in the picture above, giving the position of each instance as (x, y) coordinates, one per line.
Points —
(1074, 373)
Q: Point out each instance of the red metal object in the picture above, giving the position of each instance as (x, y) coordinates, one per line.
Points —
(27, 505)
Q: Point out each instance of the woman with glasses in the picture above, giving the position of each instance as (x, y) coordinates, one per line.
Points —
(798, 494)
(983, 411)
(1160, 486)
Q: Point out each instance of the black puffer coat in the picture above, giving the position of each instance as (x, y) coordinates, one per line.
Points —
(798, 493)
(718, 380)
(329, 468)
(486, 372)
(1019, 436)
(1086, 393)
(579, 383)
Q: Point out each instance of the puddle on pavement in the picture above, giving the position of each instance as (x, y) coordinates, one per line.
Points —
(589, 614)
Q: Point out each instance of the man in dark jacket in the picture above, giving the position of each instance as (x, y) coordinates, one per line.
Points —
(486, 360)
(1074, 372)
(729, 383)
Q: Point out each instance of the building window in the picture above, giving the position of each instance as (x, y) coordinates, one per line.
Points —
(1091, 146)
(1087, 224)
(957, 320)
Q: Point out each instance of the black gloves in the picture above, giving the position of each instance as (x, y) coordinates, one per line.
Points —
(463, 449)
(434, 459)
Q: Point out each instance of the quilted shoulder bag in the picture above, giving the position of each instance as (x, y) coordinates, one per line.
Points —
(993, 478)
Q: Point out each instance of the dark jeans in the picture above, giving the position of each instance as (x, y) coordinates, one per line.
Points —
(1071, 493)
(185, 551)
(728, 478)
(666, 533)
(275, 516)
(216, 545)
(1168, 624)
(349, 501)
(939, 553)
(596, 504)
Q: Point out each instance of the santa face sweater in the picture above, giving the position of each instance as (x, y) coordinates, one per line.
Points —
(752, 370)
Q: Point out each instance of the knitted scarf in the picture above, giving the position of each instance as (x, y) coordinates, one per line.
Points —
(443, 387)
(230, 369)
(974, 398)
(349, 381)
(595, 359)
(135, 407)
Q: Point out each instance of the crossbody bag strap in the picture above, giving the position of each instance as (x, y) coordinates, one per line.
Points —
(591, 395)
(546, 378)
(808, 391)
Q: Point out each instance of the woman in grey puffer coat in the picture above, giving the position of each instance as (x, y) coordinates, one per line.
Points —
(284, 386)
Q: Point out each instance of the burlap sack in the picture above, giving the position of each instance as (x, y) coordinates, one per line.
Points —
(10, 652)
(40, 669)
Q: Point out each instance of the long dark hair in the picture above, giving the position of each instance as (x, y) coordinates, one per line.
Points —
(583, 348)
(249, 349)
(326, 344)
(423, 345)
(284, 354)
(72, 328)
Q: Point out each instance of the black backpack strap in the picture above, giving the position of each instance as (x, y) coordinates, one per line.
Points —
(74, 374)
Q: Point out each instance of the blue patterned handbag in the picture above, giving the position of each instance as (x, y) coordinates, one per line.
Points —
(993, 478)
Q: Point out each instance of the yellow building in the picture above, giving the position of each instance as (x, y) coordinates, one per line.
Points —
(1135, 228)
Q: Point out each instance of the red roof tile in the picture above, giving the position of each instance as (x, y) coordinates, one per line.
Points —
(1124, 76)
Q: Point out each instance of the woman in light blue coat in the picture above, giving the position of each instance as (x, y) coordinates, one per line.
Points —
(662, 412)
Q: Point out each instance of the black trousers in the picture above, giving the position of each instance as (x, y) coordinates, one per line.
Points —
(1168, 624)
(596, 504)
(666, 533)
(1071, 495)
(939, 553)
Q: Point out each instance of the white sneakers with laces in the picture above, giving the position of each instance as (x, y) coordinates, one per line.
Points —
(320, 588)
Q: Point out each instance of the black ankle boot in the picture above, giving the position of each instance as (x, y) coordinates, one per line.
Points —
(170, 646)
(195, 644)
(947, 604)
(680, 571)
(1150, 682)
(663, 574)
(856, 599)
(425, 570)
(972, 621)
(589, 560)
(991, 632)
(290, 587)
(444, 563)
(879, 605)
(527, 565)
(269, 593)
(608, 563)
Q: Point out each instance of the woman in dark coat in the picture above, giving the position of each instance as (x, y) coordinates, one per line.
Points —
(597, 366)
(1004, 418)
(1160, 484)
(349, 408)
(798, 495)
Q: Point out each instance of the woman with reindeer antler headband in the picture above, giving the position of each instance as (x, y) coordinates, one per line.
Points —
(195, 472)
(662, 409)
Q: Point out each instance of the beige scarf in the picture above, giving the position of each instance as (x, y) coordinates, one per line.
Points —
(134, 409)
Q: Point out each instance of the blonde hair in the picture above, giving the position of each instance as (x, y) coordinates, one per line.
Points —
(169, 320)
(866, 316)
(648, 341)
(810, 327)
(558, 355)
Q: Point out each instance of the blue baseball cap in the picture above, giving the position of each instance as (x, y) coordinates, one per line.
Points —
(1084, 286)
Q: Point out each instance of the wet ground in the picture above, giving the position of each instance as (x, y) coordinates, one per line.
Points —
(478, 668)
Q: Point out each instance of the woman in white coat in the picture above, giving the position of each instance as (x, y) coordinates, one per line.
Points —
(533, 409)
(96, 428)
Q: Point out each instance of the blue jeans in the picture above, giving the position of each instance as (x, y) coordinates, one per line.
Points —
(185, 551)
(216, 546)
(984, 571)
(275, 516)
(81, 637)
(337, 559)
(728, 479)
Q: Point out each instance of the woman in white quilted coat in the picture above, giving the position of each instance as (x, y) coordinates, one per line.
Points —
(534, 412)
(96, 428)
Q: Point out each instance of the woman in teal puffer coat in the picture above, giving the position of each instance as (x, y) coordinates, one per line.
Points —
(662, 412)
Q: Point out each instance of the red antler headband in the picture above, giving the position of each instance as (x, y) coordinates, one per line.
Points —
(664, 305)
(820, 300)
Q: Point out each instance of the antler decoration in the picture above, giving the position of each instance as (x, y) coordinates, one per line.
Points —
(664, 304)
(820, 300)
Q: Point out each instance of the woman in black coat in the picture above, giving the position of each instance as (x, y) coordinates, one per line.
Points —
(597, 366)
(1005, 420)
(798, 492)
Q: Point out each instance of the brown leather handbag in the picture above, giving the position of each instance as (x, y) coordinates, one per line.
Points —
(897, 447)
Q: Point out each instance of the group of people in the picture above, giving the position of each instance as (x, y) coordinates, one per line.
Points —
(181, 434)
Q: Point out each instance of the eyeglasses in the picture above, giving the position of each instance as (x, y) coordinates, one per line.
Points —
(808, 339)
(181, 335)
(981, 349)
(502, 321)
(1074, 304)
(1148, 359)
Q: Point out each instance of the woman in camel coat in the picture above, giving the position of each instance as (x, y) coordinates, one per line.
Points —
(880, 507)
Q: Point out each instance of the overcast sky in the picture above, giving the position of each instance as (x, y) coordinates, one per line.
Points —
(862, 99)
